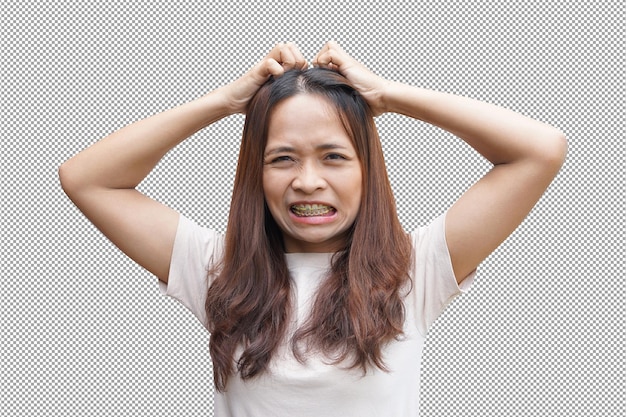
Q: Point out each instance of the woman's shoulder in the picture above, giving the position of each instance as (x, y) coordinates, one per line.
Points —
(197, 245)
(430, 234)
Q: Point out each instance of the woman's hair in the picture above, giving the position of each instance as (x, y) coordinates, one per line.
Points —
(358, 308)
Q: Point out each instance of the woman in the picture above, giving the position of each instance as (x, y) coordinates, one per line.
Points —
(317, 302)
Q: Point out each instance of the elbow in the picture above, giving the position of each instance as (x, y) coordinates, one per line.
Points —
(64, 177)
(551, 151)
(556, 151)
(68, 178)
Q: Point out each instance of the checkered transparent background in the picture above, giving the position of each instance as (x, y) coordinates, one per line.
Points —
(84, 331)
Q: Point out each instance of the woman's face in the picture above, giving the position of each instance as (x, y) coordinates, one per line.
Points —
(312, 176)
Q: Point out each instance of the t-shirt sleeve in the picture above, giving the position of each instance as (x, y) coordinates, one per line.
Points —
(195, 250)
(434, 285)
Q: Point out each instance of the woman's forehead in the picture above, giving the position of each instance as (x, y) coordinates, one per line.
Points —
(305, 117)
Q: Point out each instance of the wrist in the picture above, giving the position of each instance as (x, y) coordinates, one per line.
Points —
(382, 97)
(216, 105)
(390, 96)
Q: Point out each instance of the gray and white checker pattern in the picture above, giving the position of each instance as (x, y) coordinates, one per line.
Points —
(84, 331)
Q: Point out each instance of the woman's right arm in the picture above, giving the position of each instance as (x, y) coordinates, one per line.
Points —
(101, 180)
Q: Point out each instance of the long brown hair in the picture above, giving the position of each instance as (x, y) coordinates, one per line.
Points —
(358, 308)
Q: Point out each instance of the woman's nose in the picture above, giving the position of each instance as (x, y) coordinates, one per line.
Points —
(308, 179)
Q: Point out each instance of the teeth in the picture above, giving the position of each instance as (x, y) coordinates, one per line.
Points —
(310, 209)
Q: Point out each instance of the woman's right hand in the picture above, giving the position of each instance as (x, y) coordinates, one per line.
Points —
(283, 57)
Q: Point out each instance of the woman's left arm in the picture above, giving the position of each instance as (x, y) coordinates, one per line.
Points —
(526, 155)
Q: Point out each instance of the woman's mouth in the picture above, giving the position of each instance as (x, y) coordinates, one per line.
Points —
(310, 210)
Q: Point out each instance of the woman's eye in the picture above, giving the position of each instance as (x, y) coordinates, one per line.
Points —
(278, 159)
(335, 156)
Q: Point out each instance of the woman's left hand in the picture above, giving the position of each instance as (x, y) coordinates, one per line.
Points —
(371, 86)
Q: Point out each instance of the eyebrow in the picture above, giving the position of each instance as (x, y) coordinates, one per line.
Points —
(289, 149)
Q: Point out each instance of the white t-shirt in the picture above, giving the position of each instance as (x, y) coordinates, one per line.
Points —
(315, 388)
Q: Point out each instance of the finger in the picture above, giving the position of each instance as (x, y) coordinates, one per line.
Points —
(329, 56)
(264, 69)
(300, 63)
(315, 61)
(334, 44)
(286, 54)
(330, 59)
(287, 57)
(329, 45)
(282, 56)
(275, 53)
(273, 67)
